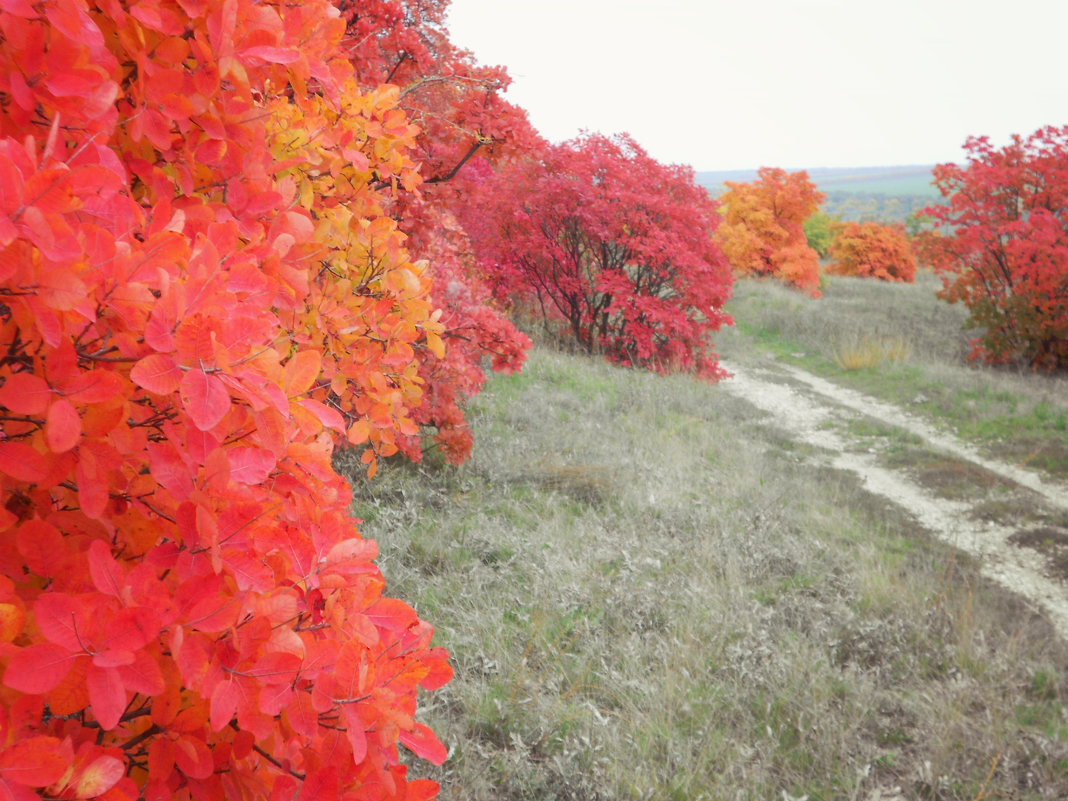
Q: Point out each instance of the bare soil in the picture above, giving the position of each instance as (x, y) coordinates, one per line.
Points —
(1011, 518)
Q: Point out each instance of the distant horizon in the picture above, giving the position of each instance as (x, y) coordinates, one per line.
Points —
(904, 166)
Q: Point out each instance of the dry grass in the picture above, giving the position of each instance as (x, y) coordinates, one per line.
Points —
(866, 352)
(650, 595)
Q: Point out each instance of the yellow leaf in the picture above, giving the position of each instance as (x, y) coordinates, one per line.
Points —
(437, 347)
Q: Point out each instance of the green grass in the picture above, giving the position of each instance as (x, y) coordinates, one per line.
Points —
(649, 594)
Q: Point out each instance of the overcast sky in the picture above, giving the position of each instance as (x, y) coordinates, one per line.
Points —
(738, 84)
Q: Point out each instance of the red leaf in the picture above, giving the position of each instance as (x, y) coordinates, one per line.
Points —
(421, 790)
(302, 715)
(63, 427)
(34, 762)
(107, 696)
(276, 55)
(131, 628)
(108, 577)
(38, 668)
(169, 469)
(10, 791)
(143, 675)
(422, 742)
(439, 671)
(193, 757)
(25, 393)
(20, 8)
(250, 465)
(392, 615)
(329, 418)
(355, 732)
(158, 373)
(320, 785)
(94, 386)
(205, 399)
(62, 619)
(277, 668)
(21, 462)
(41, 545)
(93, 490)
(224, 700)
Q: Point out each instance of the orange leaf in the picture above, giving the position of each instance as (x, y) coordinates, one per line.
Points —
(12, 619)
(301, 371)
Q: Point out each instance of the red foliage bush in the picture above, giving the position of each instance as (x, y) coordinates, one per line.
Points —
(598, 234)
(202, 290)
(1001, 243)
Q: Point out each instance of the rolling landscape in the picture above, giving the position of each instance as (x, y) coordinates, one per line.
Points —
(885, 194)
(362, 441)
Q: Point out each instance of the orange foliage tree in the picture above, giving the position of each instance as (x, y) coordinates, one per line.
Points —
(873, 250)
(762, 231)
(203, 288)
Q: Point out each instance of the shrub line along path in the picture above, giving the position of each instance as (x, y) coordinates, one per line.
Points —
(809, 408)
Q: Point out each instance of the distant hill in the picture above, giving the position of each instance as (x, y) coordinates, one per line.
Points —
(886, 194)
(913, 179)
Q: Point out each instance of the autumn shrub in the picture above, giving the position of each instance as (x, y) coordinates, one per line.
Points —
(763, 228)
(203, 290)
(873, 250)
(1001, 245)
(599, 235)
(459, 111)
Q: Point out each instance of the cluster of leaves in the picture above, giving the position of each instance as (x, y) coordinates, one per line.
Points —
(873, 250)
(459, 112)
(1001, 242)
(599, 235)
(203, 288)
(762, 232)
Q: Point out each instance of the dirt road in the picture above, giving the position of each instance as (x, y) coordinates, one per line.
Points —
(1029, 557)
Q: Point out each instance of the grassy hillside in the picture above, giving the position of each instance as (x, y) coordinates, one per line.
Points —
(649, 594)
(1016, 416)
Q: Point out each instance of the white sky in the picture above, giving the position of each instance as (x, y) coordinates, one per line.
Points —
(738, 84)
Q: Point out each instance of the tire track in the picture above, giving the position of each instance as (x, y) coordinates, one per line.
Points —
(805, 417)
